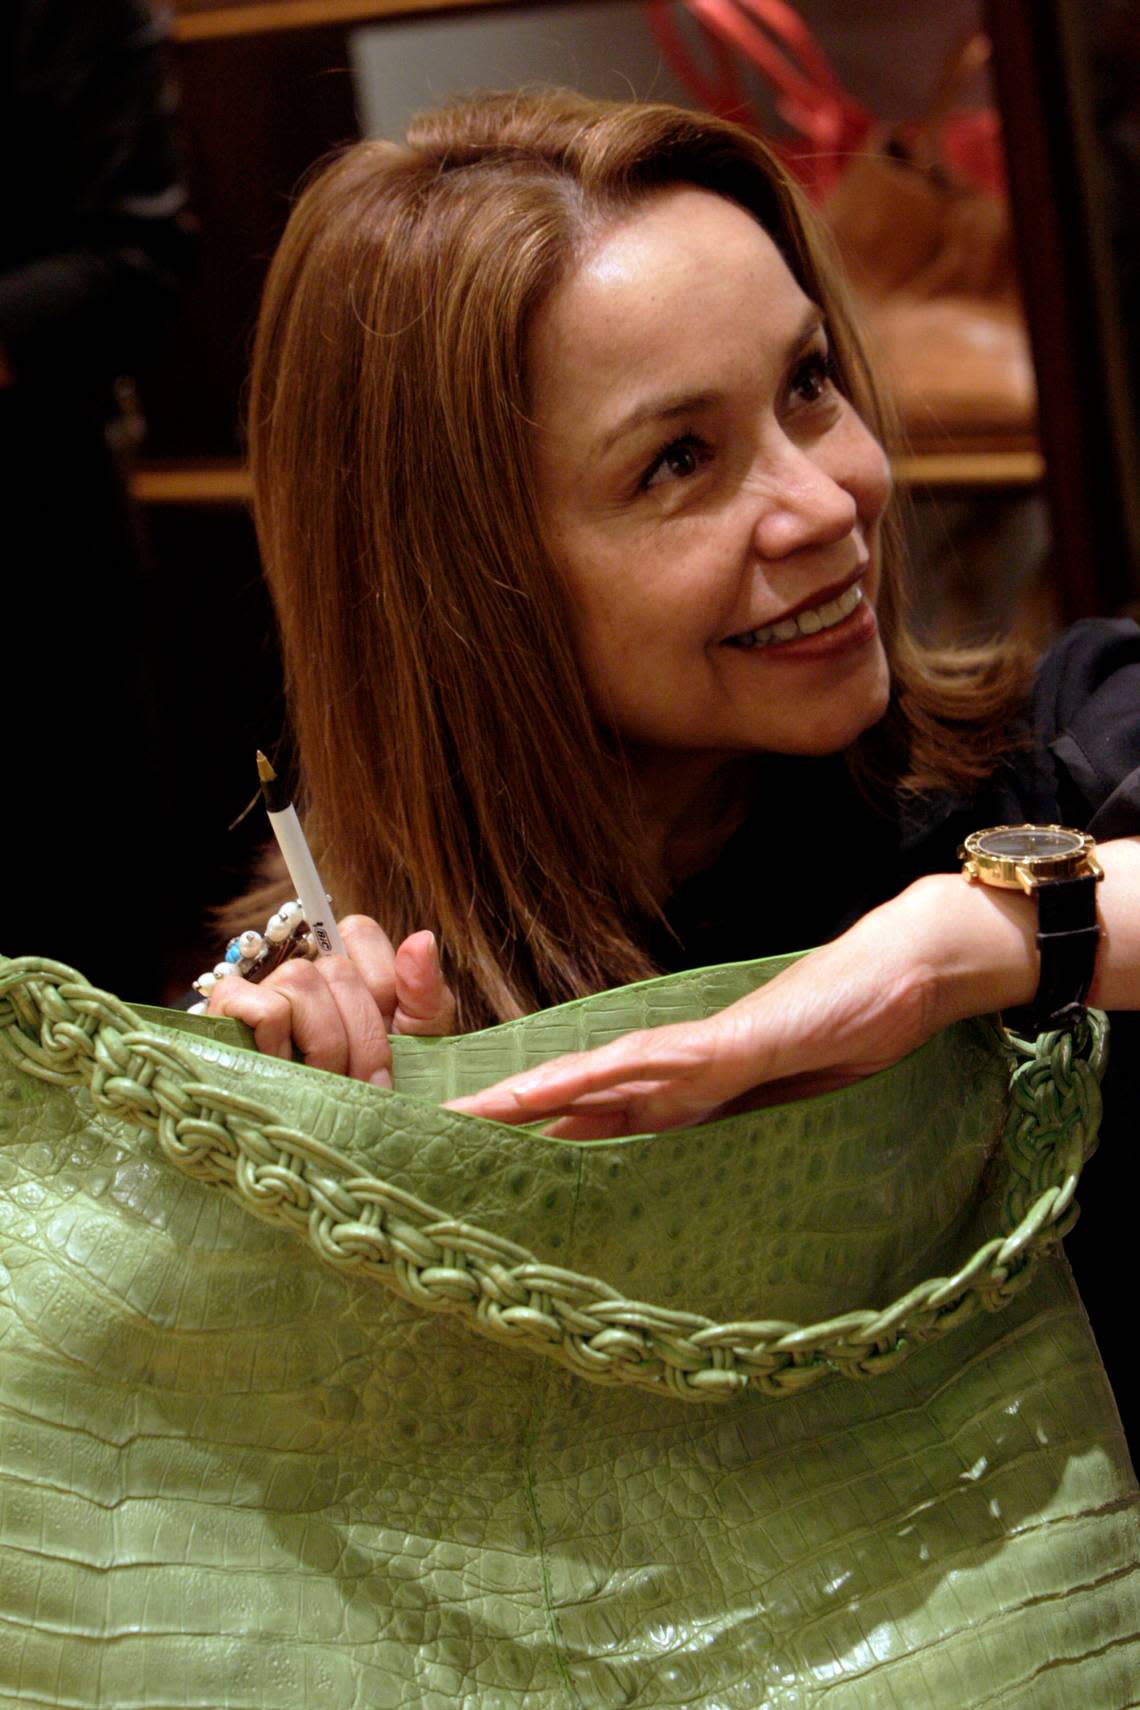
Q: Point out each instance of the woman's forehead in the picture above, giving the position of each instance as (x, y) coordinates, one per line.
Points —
(674, 295)
(675, 215)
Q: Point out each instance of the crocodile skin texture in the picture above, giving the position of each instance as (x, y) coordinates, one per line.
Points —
(234, 1477)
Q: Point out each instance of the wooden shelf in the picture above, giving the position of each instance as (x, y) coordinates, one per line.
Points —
(220, 482)
(226, 481)
(970, 468)
(214, 18)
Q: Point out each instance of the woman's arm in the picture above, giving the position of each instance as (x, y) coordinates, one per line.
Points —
(942, 950)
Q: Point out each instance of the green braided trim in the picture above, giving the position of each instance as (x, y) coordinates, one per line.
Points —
(56, 1026)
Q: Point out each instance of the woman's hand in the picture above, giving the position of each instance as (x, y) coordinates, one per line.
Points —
(338, 1011)
(940, 951)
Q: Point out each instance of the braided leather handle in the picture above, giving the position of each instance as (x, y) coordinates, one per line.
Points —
(56, 1026)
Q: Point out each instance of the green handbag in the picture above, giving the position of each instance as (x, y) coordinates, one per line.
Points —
(235, 1472)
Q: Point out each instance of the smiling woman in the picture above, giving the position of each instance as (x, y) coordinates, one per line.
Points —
(559, 419)
(709, 490)
(572, 495)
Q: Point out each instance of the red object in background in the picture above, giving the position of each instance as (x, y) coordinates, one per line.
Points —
(829, 124)
(972, 147)
(918, 212)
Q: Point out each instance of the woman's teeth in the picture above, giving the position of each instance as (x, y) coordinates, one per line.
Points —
(809, 622)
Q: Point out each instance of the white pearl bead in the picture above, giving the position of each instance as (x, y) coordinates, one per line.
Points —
(224, 971)
(291, 911)
(196, 1009)
(277, 930)
(250, 944)
(205, 984)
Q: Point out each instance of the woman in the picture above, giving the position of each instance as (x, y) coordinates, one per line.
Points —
(572, 497)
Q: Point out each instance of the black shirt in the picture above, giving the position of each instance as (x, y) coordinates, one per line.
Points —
(814, 857)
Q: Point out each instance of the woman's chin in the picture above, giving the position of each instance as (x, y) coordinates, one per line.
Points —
(833, 730)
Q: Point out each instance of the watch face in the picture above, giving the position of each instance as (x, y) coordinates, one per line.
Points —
(1028, 842)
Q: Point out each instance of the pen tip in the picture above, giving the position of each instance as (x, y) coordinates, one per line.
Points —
(264, 770)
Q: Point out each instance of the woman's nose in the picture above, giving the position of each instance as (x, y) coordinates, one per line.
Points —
(804, 505)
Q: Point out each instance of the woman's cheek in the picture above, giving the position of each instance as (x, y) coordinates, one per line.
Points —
(878, 484)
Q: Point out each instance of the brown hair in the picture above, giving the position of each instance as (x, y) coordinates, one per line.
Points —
(452, 773)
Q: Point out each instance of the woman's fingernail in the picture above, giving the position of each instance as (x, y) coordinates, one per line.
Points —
(382, 1078)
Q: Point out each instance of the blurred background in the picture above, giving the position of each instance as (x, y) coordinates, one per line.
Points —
(979, 165)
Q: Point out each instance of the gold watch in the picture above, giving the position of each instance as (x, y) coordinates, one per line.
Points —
(1057, 867)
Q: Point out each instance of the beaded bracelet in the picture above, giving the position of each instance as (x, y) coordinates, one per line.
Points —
(252, 955)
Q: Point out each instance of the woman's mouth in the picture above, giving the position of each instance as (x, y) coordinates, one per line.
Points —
(808, 622)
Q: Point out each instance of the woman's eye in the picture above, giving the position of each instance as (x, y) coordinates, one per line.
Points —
(676, 461)
(814, 376)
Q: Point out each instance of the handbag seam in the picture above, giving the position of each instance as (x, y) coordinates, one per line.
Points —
(530, 1483)
(530, 1488)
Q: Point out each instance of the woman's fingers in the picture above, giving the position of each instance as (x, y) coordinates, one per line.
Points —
(657, 1078)
(371, 953)
(629, 1109)
(337, 1024)
(266, 1011)
(407, 985)
(424, 1002)
(337, 1012)
(324, 1011)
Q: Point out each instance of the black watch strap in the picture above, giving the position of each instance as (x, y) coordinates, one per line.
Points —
(1067, 936)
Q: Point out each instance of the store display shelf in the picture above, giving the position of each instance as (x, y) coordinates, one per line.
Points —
(225, 481)
(198, 20)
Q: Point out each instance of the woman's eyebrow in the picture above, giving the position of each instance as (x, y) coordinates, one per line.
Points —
(670, 406)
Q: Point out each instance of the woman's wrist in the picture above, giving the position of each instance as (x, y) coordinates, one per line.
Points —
(977, 945)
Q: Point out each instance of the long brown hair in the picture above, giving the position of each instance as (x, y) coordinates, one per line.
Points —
(453, 774)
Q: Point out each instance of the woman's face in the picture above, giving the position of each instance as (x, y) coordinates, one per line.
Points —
(712, 498)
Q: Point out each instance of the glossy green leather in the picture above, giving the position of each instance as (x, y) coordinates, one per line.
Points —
(233, 1475)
